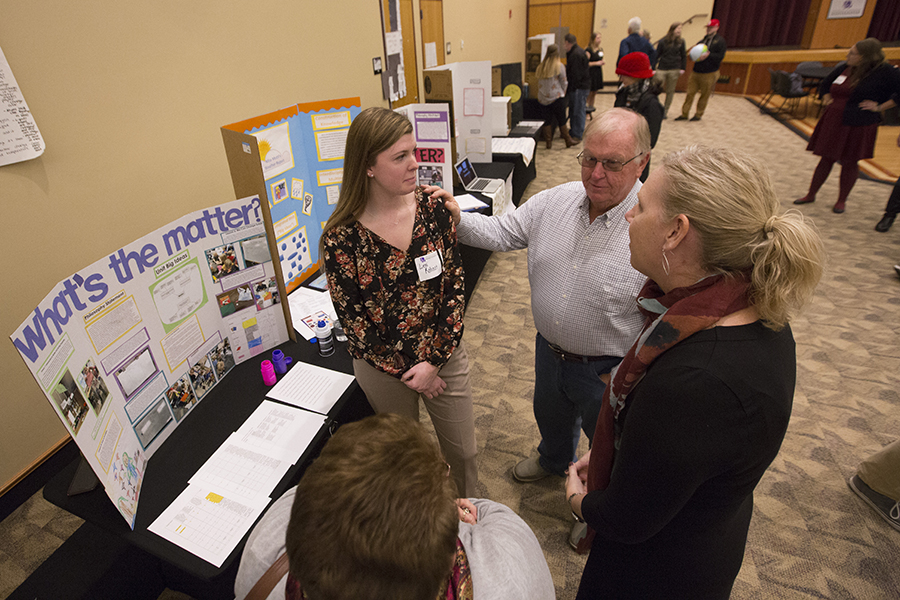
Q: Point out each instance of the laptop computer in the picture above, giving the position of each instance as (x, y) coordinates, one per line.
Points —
(472, 182)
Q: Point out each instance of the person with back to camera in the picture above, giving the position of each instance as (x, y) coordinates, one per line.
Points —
(579, 78)
(854, 94)
(595, 66)
(699, 406)
(635, 42)
(706, 72)
(552, 84)
(396, 280)
(376, 517)
(639, 93)
(582, 285)
(671, 64)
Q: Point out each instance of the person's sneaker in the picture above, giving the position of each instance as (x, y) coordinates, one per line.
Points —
(579, 530)
(888, 509)
(695, 118)
(681, 118)
(530, 470)
(897, 270)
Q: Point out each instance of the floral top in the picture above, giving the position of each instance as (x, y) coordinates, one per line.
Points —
(392, 319)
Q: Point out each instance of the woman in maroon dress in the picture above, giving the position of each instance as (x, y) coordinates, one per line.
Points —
(858, 90)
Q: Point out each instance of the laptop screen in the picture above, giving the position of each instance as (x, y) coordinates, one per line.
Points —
(466, 172)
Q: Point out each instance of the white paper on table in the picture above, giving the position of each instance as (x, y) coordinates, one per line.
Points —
(310, 387)
(530, 123)
(523, 146)
(274, 425)
(239, 469)
(206, 523)
(304, 302)
(469, 202)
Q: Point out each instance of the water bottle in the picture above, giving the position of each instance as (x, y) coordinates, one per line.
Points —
(326, 340)
(339, 334)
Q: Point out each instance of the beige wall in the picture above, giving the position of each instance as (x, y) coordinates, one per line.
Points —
(129, 98)
(655, 15)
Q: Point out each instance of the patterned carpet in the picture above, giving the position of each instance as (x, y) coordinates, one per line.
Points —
(811, 537)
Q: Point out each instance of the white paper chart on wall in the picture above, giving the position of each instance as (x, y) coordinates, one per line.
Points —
(293, 252)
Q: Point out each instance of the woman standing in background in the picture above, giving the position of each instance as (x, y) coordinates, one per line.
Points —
(672, 63)
(595, 66)
(552, 83)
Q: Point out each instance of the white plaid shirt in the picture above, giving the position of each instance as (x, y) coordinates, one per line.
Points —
(583, 287)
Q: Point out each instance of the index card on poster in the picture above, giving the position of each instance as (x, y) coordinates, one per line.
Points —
(311, 387)
(19, 136)
(208, 523)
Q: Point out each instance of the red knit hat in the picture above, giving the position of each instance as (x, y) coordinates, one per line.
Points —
(713, 23)
(635, 64)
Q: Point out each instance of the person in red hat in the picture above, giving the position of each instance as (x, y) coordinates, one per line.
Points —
(639, 92)
(706, 72)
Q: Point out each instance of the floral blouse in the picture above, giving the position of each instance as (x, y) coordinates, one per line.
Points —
(394, 321)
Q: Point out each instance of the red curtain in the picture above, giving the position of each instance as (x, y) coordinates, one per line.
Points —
(756, 23)
(885, 23)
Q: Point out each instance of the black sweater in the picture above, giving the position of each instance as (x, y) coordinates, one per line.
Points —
(882, 84)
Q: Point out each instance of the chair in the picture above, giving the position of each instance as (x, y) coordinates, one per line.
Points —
(811, 84)
(770, 93)
(782, 85)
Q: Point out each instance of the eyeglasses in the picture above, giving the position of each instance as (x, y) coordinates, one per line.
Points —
(613, 166)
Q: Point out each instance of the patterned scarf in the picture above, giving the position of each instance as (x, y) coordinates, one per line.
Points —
(458, 586)
(670, 318)
(635, 91)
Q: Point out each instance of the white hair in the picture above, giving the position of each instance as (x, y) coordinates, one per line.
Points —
(634, 25)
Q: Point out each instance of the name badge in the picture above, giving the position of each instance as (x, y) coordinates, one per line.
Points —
(429, 266)
(840, 79)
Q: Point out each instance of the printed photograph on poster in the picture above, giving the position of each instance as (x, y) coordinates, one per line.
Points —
(93, 386)
(70, 402)
(266, 293)
(235, 300)
(297, 189)
(181, 397)
(202, 377)
(279, 191)
(846, 9)
(222, 358)
(222, 261)
(275, 150)
(431, 176)
(138, 370)
(152, 422)
(255, 250)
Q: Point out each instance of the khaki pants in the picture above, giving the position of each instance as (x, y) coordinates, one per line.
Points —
(668, 79)
(881, 472)
(703, 83)
(451, 412)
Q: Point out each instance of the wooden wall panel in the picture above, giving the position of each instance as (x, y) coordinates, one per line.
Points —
(579, 18)
(433, 27)
(838, 33)
(541, 19)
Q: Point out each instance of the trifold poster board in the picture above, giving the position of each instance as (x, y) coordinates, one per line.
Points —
(466, 86)
(431, 128)
(124, 349)
(294, 157)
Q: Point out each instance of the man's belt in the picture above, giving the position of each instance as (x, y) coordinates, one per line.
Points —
(577, 358)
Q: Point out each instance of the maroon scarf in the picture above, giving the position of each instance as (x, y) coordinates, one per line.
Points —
(670, 318)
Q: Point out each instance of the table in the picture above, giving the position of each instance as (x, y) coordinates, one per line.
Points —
(204, 429)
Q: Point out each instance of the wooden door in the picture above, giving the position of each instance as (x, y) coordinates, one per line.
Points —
(433, 30)
(397, 19)
(548, 16)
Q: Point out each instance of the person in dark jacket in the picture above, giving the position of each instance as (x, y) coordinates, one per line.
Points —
(639, 93)
(672, 62)
(706, 72)
(579, 77)
(854, 94)
(635, 42)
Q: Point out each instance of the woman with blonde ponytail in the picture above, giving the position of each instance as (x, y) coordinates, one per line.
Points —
(698, 408)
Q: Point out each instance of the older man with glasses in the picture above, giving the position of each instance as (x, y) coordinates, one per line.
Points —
(583, 287)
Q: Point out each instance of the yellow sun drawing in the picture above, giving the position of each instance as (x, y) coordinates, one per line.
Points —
(264, 148)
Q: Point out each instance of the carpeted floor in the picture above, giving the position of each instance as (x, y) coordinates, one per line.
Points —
(811, 537)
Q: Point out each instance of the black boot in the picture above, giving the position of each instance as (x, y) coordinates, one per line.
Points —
(885, 223)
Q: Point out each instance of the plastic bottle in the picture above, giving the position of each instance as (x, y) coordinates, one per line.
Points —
(326, 340)
(268, 372)
(339, 334)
